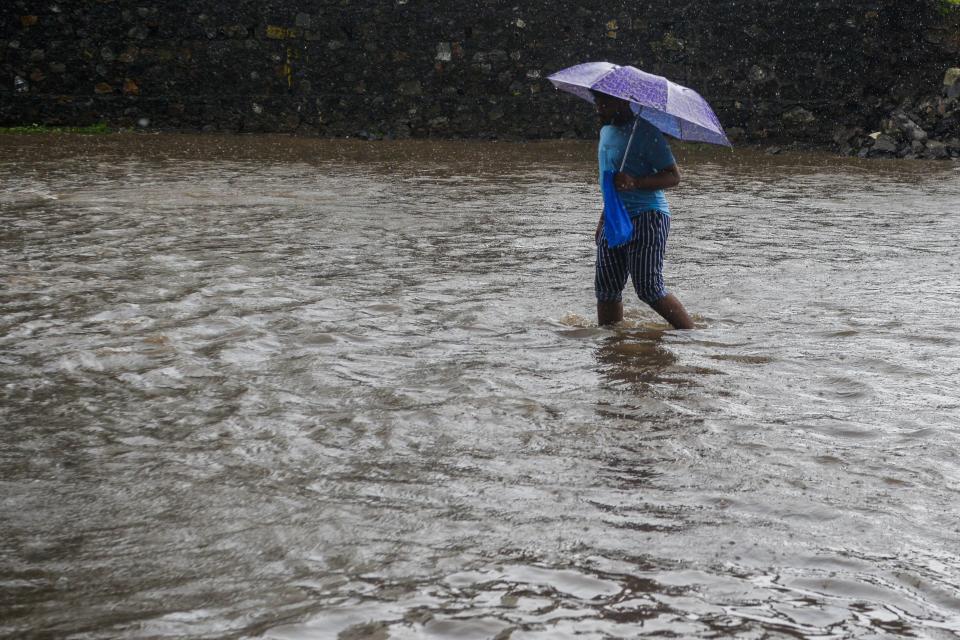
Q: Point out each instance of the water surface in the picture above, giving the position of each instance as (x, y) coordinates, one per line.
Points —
(267, 387)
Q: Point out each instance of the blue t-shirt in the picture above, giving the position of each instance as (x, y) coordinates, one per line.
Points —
(649, 154)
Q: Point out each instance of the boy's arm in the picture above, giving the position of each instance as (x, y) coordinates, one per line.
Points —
(669, 177)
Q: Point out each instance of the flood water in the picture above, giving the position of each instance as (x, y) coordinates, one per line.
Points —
(267, 387)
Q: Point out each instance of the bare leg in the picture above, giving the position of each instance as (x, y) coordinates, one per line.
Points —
(609, 312)
(672, 311)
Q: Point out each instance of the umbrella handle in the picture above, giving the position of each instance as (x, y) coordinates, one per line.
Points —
(629, 142)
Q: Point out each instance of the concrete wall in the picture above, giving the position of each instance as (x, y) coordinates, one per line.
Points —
(794, 69)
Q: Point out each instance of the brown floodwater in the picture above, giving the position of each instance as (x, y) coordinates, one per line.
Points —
(270, 387)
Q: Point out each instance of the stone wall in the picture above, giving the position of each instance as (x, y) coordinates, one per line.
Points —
(773, 69)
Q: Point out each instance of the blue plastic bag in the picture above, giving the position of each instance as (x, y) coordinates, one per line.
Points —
(617, 225)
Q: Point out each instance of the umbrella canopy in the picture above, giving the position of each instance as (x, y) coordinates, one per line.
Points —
(673, 109)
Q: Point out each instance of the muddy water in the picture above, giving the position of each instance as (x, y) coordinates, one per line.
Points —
(279, 388)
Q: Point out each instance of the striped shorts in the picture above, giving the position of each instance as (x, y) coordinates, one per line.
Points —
(641, 258)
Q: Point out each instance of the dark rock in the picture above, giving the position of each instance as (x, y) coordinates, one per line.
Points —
(884, 144)
(410, 88)
(735, 134)
(910, 130)
(236, 31)
(936, 150)
(843, 135)
(129, 55)
(302, 20)
(759, 75)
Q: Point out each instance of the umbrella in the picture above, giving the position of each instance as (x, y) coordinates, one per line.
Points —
(675, 110)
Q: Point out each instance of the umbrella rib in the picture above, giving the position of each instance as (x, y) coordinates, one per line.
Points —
(626, 151)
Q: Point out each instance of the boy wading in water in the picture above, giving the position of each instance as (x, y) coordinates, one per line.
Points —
(650, 168)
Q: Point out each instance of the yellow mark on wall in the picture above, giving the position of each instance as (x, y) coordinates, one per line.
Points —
(282, 33)
(612, 29)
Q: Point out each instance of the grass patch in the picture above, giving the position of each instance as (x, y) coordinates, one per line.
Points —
(93, 129)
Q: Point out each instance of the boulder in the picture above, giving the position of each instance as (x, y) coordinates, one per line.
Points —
(843, 135)
(798, 117)
(936, 150)
(884, 144)
(910, 130)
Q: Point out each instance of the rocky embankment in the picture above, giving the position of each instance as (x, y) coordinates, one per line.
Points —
(777, 72)
(924, 128)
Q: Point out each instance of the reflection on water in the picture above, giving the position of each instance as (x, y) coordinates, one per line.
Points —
(284, 388)
(638, 359)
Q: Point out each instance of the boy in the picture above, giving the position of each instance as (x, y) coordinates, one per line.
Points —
(650, 168)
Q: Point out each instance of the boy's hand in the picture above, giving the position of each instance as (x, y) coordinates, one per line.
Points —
(666, 179)
(624, 182)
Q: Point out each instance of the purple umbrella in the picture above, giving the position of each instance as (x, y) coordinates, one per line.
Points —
(675, 110)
